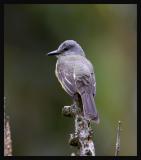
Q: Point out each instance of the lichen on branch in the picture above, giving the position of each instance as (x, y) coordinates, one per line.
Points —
(82, 137)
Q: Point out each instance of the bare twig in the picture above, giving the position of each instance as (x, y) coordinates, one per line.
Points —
(82, 138)
(7, 135)
(118, 139)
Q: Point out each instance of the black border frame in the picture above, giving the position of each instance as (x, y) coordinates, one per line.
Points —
(70, 2)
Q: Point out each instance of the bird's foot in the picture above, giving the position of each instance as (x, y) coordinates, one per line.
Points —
(70, 111)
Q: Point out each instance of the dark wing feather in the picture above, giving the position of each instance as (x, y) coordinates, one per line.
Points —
(87, 83)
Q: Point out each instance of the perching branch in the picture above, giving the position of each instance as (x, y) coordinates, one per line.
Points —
(118, 139)
(82, 138)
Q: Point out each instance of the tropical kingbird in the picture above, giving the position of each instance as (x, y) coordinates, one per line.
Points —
(76, 75)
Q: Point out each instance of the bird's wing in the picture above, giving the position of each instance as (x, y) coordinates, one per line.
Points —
(65, 77)
(84, 83)
(85, 76)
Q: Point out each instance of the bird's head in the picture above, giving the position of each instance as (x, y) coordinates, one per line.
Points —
(68, 47)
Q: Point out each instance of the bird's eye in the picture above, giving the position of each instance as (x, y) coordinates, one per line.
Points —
(65, 49)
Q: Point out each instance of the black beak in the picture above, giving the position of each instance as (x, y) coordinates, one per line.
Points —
(53, 53)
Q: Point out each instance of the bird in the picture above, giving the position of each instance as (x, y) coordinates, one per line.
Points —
(77, 77)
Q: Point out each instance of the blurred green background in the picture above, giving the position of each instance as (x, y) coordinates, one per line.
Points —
(108, 34)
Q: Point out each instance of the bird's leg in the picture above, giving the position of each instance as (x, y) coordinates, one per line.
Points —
(77, 103)
(72, 110)
(75, 110)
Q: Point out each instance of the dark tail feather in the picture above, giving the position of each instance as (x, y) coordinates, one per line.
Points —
(89, 107)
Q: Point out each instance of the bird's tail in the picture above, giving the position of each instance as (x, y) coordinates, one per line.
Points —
(89, 107)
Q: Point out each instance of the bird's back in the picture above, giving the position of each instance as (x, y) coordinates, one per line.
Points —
(76, 63)
(72, 68)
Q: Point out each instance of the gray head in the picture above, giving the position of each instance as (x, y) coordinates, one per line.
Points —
(68, 47)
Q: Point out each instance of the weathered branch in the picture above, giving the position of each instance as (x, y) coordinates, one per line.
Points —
(7, 136)
(82, 138)
(118, 139)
